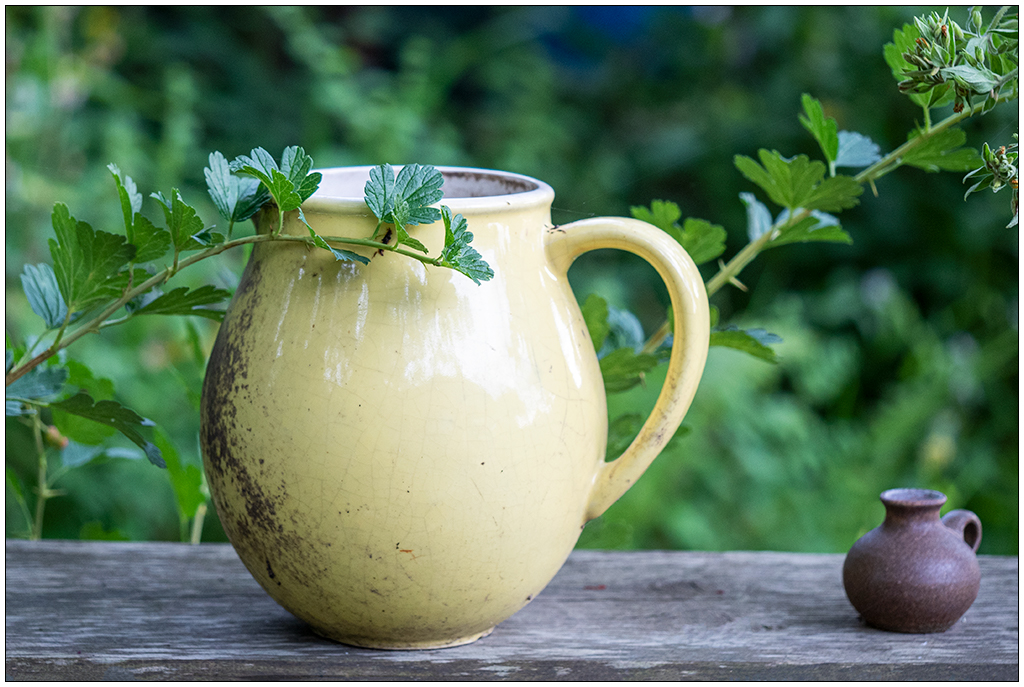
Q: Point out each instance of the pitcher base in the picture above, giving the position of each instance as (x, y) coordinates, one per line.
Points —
(366, 643)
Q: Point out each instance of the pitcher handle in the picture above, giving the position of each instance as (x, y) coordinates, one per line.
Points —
(689, 344)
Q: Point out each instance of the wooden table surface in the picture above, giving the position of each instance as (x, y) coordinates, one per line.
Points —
(156, 611)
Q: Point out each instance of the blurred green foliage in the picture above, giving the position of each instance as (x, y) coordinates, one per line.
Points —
(900, 354)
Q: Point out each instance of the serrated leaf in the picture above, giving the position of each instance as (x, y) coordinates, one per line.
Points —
(702, 240)
(295, 164)
(457, 253)
(824, 130)
(86, 262)
(115, 415)
(420, 187)
(759, 218)
(755, 342)
(261, 165)
(150, 242)
(43, 293)
(379, 192)
(595, 315)
(856, 150)
(339, 254)
(182, 301)
(131, 199)
(834, 194)
(662, 214)
(788, 183)
(282, 190)
(943, 151)
(309, 185)
(38, 384)
(182, 219)
(624, 368)
(236, 198)
(817, 227)
(259, 160)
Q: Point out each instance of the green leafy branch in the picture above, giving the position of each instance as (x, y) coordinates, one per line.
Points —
(101, 279)
(406, 199)
(975, 69)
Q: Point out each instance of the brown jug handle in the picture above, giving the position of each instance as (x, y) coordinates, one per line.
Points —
(966, 524)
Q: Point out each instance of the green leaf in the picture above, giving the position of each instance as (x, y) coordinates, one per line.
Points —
(379, 192)
(856, 150)
(980, 81)
(824, 130)
(40, 383)
(818, 227)
(702, 240)
(182, 301)
(621, 433)
(623, 368)
(339, 254)
(943, 151)
(420, 187)
(79, 375)
(295, 165)
(595, 314)
(261, 165)
(662, 214)
(182, 220)
(150, 242)
(86, 262)
(115, 415)
(903, 41)
(834, 194)
(186, 479)
(236, 198)
(417, 186)
(80, 429)
(43, 293)
(457, 253)
(755, 342)
(759, 218)
(131, 199)
(787, 182)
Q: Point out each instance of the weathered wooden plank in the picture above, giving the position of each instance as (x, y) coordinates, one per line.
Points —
(96, 610)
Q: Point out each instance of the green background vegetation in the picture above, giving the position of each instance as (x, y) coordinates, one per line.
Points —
(899, 361)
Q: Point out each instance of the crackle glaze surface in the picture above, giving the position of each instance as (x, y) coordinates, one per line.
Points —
(403, 458)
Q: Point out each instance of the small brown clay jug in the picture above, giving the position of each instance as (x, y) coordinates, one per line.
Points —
(915, 572)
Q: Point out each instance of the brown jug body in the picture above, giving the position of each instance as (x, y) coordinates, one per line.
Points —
(916, 572)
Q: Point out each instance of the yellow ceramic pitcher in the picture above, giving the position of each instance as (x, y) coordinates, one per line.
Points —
(403, 458)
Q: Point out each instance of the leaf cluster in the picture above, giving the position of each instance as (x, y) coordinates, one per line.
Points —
(406, 198)
(936, 61)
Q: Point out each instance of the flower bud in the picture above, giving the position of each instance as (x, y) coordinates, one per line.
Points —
(55, 438)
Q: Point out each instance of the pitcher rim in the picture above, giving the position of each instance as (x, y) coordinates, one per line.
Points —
(535, 192)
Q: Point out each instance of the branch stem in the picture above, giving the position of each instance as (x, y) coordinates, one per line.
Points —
(100, 321)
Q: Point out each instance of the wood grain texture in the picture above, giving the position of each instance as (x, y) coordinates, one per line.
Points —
(111, 610)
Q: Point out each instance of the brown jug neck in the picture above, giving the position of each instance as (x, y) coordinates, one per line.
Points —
(911, 506)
